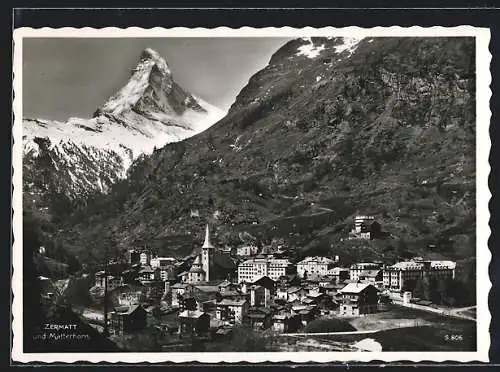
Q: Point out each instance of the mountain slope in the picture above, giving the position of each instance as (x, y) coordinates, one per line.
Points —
(329, 128)
(74, 159)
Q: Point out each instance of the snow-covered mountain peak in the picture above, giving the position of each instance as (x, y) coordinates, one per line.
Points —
(148, 112)
(152, 72)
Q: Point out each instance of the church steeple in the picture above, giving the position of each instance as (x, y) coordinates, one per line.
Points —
(207, 243)
(207, 256)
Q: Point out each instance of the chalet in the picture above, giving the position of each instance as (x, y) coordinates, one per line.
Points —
(226, 285)
(358, 299)
(329, 289)
(154, 290)
(259, 318)
(148, 273)
(282, 293)
(356, 269)
(247, 250)
(233, 311)
(179, 289)
(371, 276)
(193, 322)
(129, 276)
(315, 297)
(133, 257)
(145, 258)
(308, 314)
(206, 296)
(338, 274)
(266, 282)
(183, 276)
(234, 294)
(128, 295)
(113, 282)
(296, 293)
(286, 322)
(188, 302)
(127, 319)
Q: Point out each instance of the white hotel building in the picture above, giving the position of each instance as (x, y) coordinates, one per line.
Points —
(315, 266)
(251, 270)
(395, 276)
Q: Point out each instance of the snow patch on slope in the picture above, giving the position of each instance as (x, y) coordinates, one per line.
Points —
(350, 44)
(309, 50)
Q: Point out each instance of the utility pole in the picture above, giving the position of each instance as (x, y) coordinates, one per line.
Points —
(106, 258)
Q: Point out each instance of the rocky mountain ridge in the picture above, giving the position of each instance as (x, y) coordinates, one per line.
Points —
(330, 128)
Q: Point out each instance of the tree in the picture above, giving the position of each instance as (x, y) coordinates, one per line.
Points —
(432, 293)
(33, 315)
(442, 294)
(245, 339)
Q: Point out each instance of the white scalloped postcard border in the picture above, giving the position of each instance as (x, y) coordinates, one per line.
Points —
(483, 145)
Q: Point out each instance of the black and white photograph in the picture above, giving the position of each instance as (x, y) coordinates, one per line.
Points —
(195, 194)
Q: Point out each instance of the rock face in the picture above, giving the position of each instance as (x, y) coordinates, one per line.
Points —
(69, 161)
(330, 128)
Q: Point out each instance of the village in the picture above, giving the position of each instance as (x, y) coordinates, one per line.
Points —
(209, 293)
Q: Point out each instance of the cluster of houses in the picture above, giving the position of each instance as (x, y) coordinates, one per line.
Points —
(210, 291)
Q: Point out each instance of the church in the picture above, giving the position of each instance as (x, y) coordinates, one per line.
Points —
(208, 265)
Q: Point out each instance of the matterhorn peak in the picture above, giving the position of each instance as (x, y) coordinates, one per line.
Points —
(152, 56)
(151, 74)
(149, 53)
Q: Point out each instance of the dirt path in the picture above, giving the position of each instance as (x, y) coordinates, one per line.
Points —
(331, 333)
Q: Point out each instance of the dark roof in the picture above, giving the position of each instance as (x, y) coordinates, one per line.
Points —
(265, 281)
(207, 288)
(180, 285)
(370, 273)
(230, 293)
(357, 288)
(257, 315)
(228, 302)
(127, 310)
(194, 269)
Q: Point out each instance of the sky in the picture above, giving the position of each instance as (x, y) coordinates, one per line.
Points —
(72, 77)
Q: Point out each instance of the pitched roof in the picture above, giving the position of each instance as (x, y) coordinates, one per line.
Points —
(179, 285)
(370, 273)
(317, 260)
(225, 283)
(126, 310)
(191, 314)
(230, 293)
(257, 315)
(356, 287)
(207, 288)
(197, 260)
(146, 269)
(228, 302)
(195, 269)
